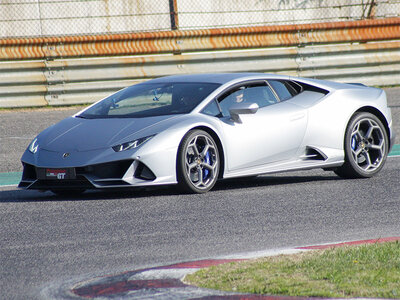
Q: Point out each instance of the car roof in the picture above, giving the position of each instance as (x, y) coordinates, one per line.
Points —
(220, 78)
(232, 78)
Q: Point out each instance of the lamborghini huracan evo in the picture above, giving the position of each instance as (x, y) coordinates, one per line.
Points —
(192, 130)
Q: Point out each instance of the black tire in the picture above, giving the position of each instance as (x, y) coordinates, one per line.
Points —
(197, 162)
(365, 146)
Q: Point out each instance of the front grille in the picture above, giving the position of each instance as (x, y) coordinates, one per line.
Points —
(144, 173)
(115, 169)
(29, 172)
(24, 184)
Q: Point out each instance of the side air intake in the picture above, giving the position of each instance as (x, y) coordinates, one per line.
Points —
(312, 153)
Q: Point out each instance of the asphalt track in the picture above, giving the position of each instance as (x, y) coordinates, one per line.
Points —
(50, 243)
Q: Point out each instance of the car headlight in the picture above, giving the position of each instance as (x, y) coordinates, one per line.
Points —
(132, 144)
(33, 147)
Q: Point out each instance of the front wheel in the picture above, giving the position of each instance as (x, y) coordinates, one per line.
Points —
(365, 146)
(197, 162)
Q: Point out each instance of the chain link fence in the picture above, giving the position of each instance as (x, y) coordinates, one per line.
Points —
(37, 18)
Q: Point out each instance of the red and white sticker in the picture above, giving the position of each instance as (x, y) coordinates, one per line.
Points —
(57, 173)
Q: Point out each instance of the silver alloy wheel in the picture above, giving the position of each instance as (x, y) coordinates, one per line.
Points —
(201, 161)
(367, 145)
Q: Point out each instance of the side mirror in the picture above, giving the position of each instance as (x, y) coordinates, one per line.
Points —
(242, 109)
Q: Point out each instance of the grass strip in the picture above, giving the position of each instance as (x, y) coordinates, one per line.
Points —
(395, 150)
(11, 178)
(371, 271)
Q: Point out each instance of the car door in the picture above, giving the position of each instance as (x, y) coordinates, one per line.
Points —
(272, 134)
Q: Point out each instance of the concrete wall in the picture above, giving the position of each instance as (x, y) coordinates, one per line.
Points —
(32, 18)
(56, 17)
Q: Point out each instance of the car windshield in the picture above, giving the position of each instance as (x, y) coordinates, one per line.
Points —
(151, 99)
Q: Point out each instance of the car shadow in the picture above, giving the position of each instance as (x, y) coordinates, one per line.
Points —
(271, 180)
(16, 196)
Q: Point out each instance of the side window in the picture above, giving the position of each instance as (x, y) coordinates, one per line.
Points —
(211, 109)
(255, 93)
(262, 95)
(283, 89)
(230, 98)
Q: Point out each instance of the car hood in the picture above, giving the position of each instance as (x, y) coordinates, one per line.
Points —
(77, 134)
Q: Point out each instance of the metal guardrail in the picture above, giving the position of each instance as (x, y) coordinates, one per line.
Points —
(199, 40)
(48, 78)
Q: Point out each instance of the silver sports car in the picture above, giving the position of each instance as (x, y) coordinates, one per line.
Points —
(192, 130)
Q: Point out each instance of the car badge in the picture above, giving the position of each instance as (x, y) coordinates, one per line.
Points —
(65, 155)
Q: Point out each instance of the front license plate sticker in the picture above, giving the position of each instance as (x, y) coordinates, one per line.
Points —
(56, 173)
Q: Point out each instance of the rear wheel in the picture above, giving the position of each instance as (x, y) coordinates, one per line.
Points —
(197, 162)
(365, 145)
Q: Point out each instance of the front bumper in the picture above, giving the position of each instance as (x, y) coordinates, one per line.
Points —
(123, 173)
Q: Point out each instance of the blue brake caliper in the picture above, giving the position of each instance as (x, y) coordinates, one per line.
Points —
(353, 143)
(207, 160)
